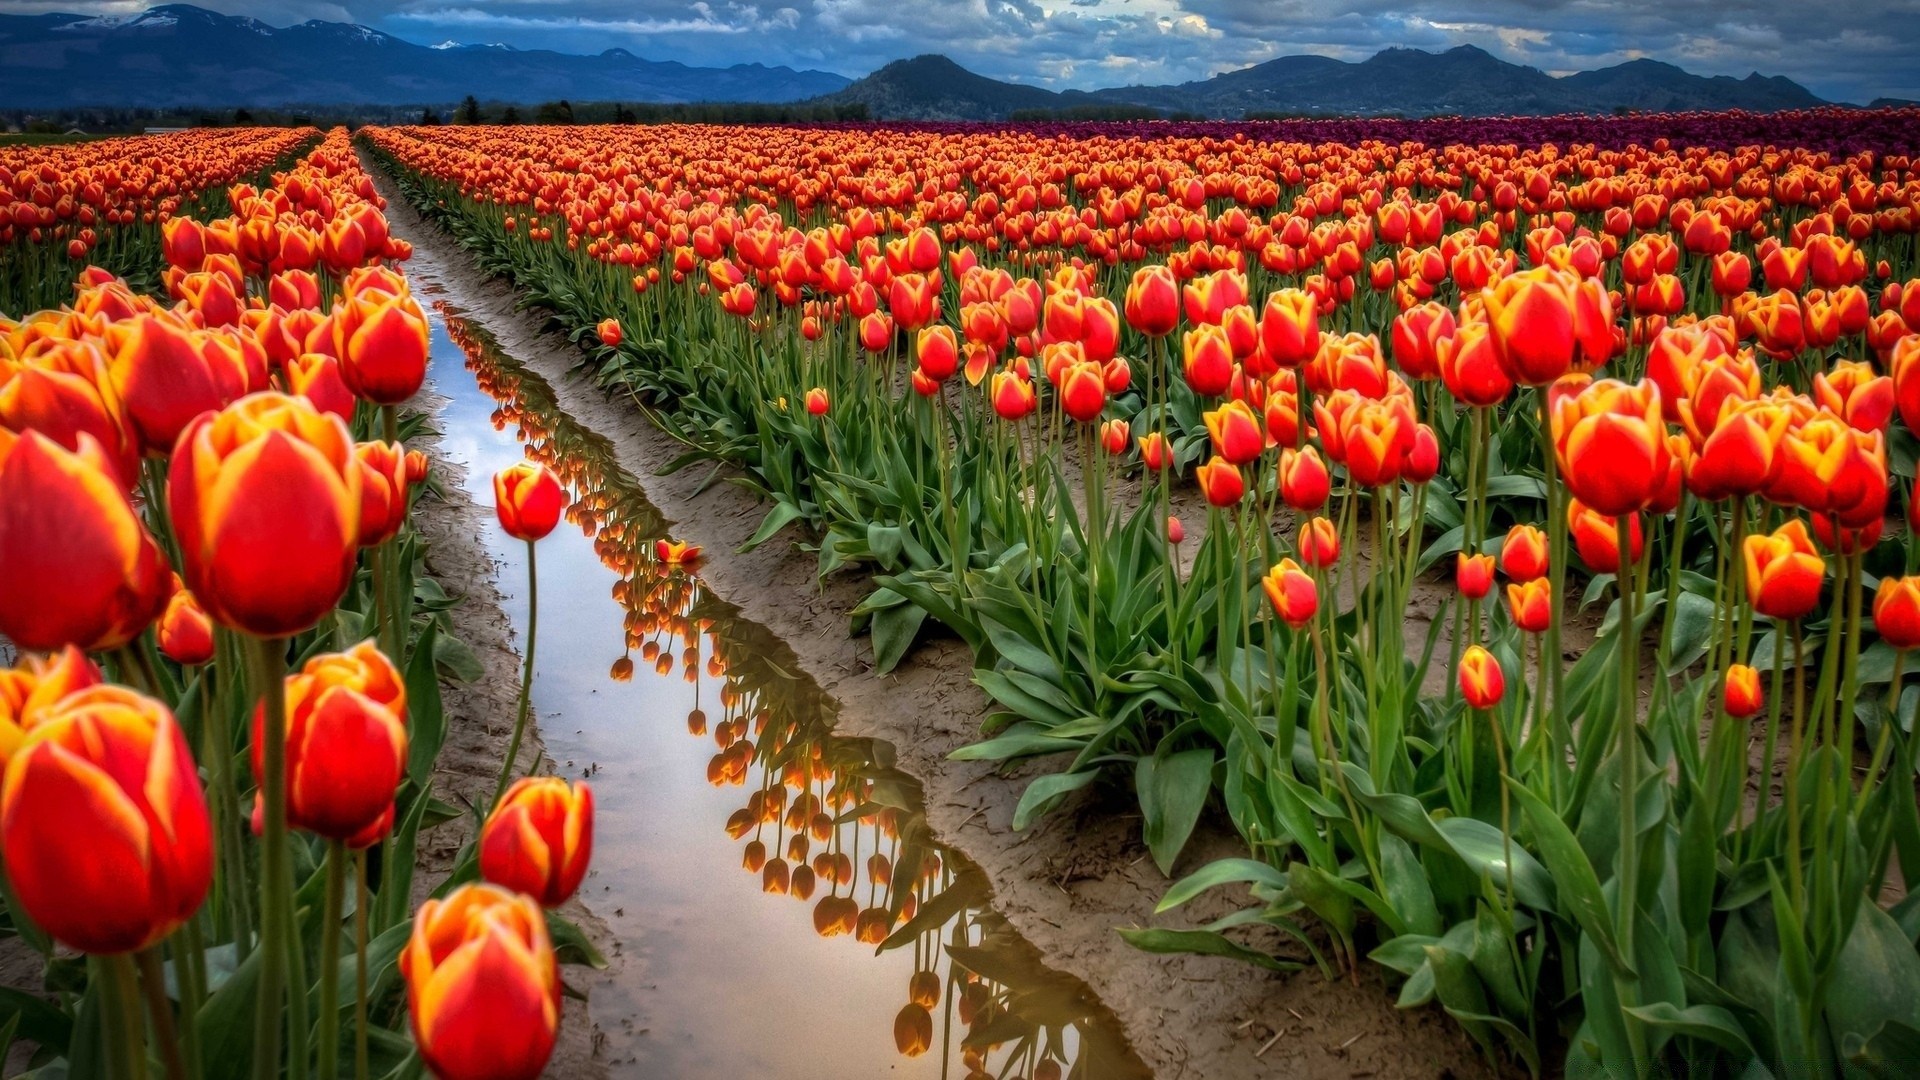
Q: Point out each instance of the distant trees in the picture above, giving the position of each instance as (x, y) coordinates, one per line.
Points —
(429, 118)
(470, 110)
(242, 116)
(511, 116)
(554, 112)
(622, 114)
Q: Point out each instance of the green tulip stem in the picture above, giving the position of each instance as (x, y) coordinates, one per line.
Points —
(276, 873)
(153, 985)
(526, 681)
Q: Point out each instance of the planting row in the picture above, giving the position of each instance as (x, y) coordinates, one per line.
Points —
(1675, 383)
(220, 739)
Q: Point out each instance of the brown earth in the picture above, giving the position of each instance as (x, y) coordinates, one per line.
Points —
(1065, 883)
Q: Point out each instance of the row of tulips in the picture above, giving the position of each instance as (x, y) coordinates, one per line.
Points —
(1688, 368)
(825, 821)
(66, 206)
(192, 500)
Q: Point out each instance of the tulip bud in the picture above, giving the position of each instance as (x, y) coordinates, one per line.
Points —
(1524, 554)
(1208, 360)
(184, 632)
(1083, 392)
(1530, 603)
(1482, 683)
(1221, 482)
(539, 839)
(609, 333)
(108, 843)
(346, 743)
(1740, 692)
(1237, 432)
(528, 500)
(265, 497)
(1114, 437)
(483, 987)
(383, 490)
(381, 340)
(1153, 301)
(1292, 592)
(1610, 441)
(1319, 542)
(1154, 452)
(1896, 611)
(1596, 538)
(1783, 572)
(817, 402)
(1290, 327)
(938, 352)
(1176, 532)
(79, 566)
(1304, 480)
(1473, 575)
(1013, 395)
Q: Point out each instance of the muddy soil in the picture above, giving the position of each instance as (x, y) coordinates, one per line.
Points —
(1065, 883)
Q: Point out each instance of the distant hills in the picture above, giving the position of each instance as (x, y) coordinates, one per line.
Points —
(181, 56)
(178, 56)
(1409, 82)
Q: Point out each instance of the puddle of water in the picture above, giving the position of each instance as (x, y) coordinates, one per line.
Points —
(779, 903)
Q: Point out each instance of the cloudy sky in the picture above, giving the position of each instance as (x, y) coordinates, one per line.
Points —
(1848, 50)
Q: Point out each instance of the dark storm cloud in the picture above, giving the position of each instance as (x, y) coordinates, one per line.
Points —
(1848, 50)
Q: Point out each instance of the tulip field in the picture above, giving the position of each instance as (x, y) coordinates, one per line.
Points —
(1503, 530)
(1173, 426)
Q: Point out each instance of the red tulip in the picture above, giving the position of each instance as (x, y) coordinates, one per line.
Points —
(1482, 683)
(483, 987)
(539, 839)
(528, 500)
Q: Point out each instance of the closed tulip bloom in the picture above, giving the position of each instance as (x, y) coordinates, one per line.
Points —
(184, 632)
(1153, 301)
(1290, 327)
(1115, 436)
(79, 566)
(1013, 395)
(483, 986)
(1548, 322)
(1083, 392)
(383, 490)
(608, 330)
(64, 390)
(1292, 592)
(528, 499)
(1418, 334)
(1596, 538)
(817, 402)
(1903, 364)
(1238, 434)
(1524, 554)
(165, 377)
(1740, 692)
(1221, 482)
(104, 824)
(1319, 542)
(1530, 603)
(1856, 394)
(1611, 444)
(265, 496)
(346, 742)
(1155, 454)
(1742, 454)
(1207, 360)
(913, 1030)
(1783, 572)
(1470, 370)
(316, 377)
(1304, 480)
(381, 341)
(938, 352)
(1896, 611)
(1732, 273)
(1828, 466)
(539, 839)
(1482, 683)
(1473, 575)
(35, 684)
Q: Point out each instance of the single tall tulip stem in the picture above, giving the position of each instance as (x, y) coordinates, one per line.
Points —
(360, 901)
(329, 1033)
(1627, 750)
(120, 986)
(526, 680)
(1882, 742)
(276, 874)
(153, 985)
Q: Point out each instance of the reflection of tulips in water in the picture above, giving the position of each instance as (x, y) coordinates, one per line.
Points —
(824, 823)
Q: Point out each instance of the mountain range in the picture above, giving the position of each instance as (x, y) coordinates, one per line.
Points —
(181, 56)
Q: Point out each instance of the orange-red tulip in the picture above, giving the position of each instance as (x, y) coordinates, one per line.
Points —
(383, 490)
(1319, 542)
(1482, 683)
(346, 742)
(817, 401)
(938, 352)
(1304, 480)
(608, 330)
(1469, 368)
(1524, 554)
(539, 839)
(1221, 482)
(1611, 444)
(1896, 611)
(184, 632)
(483, 987)
(104, 824)
(381, 340)
(165, 376)
(1237, 432)
(1208, 360)
(79, 566)
(265, 498)
(1596, 537)
(528, 500)
(1530, 602)
(1292, 592)
(1013, 395)
(1153, 301)
(1783, 572)
(1740, 692)
(1473, 575)
(1548, 322)
(1290, 327)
